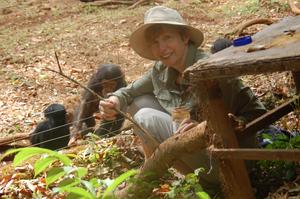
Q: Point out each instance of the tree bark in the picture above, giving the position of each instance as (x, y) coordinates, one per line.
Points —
(14, 138)
(163, 158)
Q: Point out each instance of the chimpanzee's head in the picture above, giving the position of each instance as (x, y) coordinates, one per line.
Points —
(55, 110)
(220, 44)
(111, 78)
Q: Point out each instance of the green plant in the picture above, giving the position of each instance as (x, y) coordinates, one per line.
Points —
(267, 176)
(188, 187)
(90, 9)
(279, 5)
(65, 177)
(284, 170)
(251, 6)
(242, 8)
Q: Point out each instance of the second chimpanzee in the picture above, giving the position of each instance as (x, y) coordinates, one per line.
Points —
(107, 79)
(52, 133)
(220, 44)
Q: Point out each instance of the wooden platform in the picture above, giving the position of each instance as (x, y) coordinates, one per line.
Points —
(275, 48)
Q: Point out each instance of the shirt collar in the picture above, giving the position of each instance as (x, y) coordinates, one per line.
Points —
(191, 56)
(190, 59)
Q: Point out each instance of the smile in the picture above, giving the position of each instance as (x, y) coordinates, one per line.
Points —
(166, 56)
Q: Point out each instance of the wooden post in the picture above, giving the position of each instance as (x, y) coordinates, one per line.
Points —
(296, 76)
(272, 116)
(257, 154)
(234, 171)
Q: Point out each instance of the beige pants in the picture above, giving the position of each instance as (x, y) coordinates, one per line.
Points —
(148, 113)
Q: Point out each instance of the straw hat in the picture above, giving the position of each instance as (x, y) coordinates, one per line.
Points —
(160, 15)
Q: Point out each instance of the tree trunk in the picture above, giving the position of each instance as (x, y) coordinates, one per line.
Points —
(163, 158)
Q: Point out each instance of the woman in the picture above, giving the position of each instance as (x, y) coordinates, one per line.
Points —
(172, 44)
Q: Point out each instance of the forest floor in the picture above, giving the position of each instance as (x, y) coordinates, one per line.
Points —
(85, 35)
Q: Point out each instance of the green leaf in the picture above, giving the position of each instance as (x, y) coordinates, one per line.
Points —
(9, 152)
(26, 153)
(89, 186)
(69, 169)
(54, 174)
(118, 181)
(95, 182)
(81, 171)
(77, 192)
(202, 195)
(41, 164)
(72, 155)
(69, 182)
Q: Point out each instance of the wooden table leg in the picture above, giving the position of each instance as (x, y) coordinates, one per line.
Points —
(296, 76)
(237, 184)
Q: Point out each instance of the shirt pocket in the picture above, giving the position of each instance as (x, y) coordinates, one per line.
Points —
(162, 94)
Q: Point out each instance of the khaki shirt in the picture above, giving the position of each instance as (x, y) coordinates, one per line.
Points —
(161, 82)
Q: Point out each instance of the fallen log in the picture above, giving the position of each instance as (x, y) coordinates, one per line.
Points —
(163, 158)
(14, 138)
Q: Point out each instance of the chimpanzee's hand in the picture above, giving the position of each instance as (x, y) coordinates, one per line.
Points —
(237, 123)
(107, 106)
(186, 125)
(72, 141)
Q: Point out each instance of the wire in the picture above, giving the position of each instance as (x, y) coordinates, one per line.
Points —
(67, 124)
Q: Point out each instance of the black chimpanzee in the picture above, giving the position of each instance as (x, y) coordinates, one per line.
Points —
(220, 44)
(52, 133)
(107, 79)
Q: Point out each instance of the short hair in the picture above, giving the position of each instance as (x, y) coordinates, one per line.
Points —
(153, 31)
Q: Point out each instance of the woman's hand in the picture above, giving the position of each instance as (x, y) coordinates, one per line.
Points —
(186, 125)
(107, 107)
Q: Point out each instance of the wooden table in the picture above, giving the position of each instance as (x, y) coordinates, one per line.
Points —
(275, 48)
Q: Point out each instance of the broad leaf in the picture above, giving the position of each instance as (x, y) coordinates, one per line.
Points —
(9, 152)
(81, 171)
(54, 174)
(69, 182)
(118, 181)
(89, 186)
(26, 153)
(41, 164)
(77, 192)
(202, 195)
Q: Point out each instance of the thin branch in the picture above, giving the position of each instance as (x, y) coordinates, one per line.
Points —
(140, 2)
(142, 134)
(58, 64)
(239, 29)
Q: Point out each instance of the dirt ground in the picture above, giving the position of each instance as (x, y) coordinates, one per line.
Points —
(85, 36)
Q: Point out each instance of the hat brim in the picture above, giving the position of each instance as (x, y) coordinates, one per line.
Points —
(140, 45)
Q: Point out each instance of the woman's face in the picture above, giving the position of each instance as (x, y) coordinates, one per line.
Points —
(170, 47)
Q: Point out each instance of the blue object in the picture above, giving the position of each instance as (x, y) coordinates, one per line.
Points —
(242, 41)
